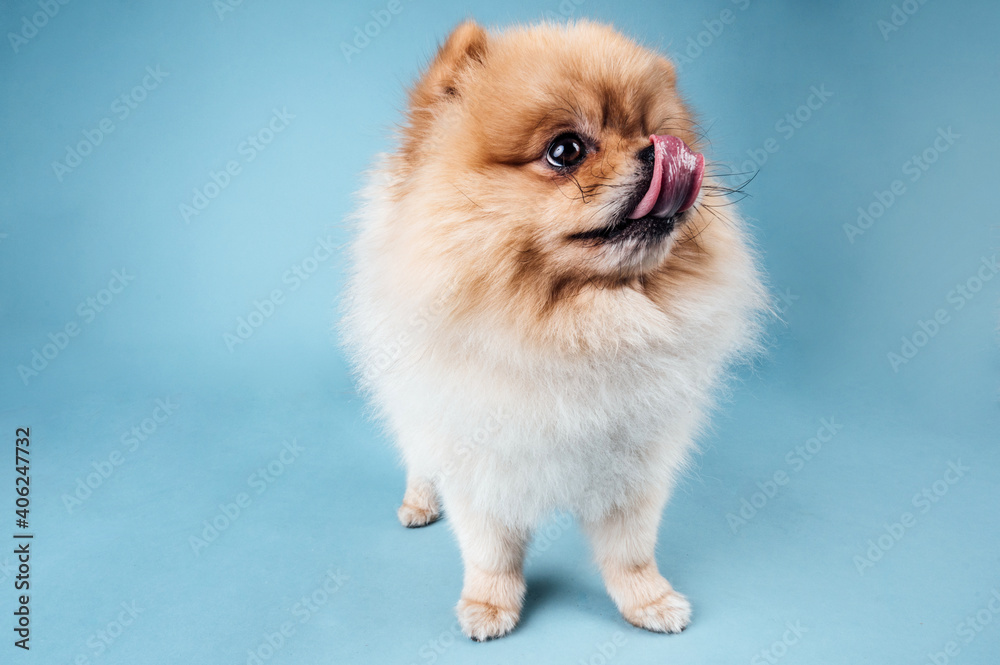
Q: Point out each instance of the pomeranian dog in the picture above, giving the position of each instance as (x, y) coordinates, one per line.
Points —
(547, 289)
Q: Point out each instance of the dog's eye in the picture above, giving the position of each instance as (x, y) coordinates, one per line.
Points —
(565, 151)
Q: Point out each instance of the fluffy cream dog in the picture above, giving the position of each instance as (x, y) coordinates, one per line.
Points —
(547, 289)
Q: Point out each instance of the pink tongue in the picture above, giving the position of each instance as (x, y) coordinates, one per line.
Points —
(677, 174)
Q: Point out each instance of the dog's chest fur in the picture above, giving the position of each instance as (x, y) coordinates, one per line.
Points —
(520, 430)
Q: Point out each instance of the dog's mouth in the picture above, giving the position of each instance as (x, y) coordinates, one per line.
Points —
(655, 209)
(648, 227)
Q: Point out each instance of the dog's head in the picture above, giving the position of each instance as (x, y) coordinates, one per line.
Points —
(550, 154)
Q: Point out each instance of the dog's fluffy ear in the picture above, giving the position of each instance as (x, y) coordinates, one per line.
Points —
(465, 48)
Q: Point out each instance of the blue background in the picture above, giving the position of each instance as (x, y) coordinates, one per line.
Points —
(332, 508)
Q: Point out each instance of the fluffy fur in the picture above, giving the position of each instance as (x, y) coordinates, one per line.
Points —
(519, 367)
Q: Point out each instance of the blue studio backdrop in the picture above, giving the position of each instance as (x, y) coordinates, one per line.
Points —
(205, 487)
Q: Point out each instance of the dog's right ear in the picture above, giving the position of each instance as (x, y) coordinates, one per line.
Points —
(465, 48)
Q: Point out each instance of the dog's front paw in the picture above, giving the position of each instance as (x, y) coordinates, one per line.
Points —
(671, 613)
(412, 516)
(484, 621)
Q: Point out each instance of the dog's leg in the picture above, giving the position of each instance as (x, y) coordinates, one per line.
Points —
(420, 503)
(624, 543)
(493, 591)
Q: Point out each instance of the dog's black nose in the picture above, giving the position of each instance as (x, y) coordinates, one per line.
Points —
(647, 155)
